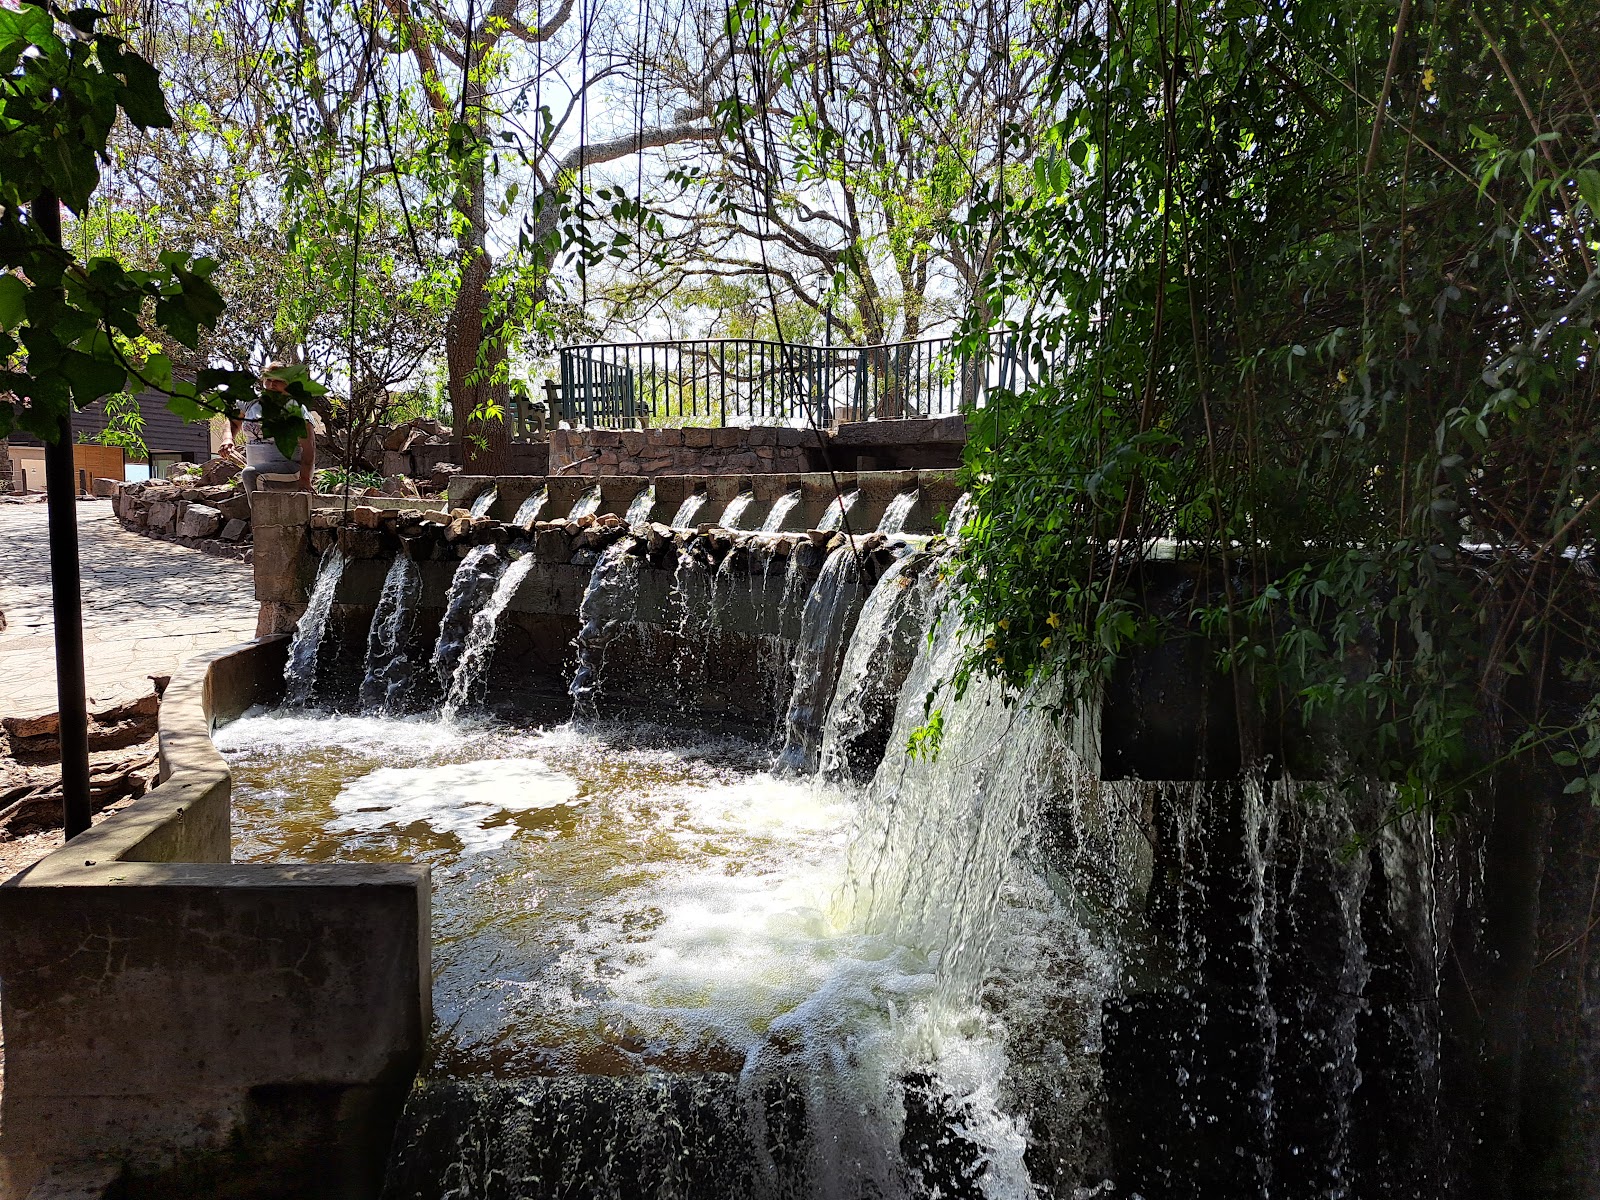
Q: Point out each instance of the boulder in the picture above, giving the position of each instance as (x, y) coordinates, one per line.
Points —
(221, 469)
(365, 516)
(162, 516)
(235, 508)
(396, 463)
(199, 521)
(106, 487)
(399, 485)
(235, 530)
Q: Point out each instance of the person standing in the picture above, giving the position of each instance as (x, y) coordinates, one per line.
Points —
(266, 467)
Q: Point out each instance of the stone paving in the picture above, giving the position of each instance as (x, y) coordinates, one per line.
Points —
(147, 607)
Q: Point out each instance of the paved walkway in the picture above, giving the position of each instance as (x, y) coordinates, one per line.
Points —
(147, 606)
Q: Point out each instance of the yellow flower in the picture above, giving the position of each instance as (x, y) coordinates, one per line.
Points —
(1045, 645)
(999, 661)
(1344, 376)
(1428, 79)
(1005, 622)
(1053, 621)
(988, 643)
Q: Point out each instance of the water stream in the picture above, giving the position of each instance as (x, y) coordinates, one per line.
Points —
(781, 508)
(300, 672)
(528, 511)
(484, 501)
(387, 677)
(895, 513)
(643, 504)
(734, 513)
(470, 676)
(824, 629)
(838, 507)
(688, 510)
(587, 504)
(607, 608)
(470, 588)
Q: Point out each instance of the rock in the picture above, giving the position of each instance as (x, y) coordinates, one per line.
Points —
(458, 528)
(235, 507)
(439, 479)
(221, 469)
(360, 543)
(325, 518)
(365, 516)
(399, 485)
(199, 520)
(186, 472)
(162, 516)
(235, 530)
(106, 487)
(697, 437)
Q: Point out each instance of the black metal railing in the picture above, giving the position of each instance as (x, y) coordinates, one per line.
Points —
(736, 381)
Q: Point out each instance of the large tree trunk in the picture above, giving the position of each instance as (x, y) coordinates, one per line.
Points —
(482, 443)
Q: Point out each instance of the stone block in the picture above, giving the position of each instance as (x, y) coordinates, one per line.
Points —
(745, 460)
(361, 543)
(365, 516)
(761, 435)
(235, 530)
(199, 520)
(633, 441)
(279, 508)
(324, 518)
(727, 439)
(162, 516)
(666, 437)
(597, 439)
(106, 487)
(396, 463)
(235, 508)
(696, 437)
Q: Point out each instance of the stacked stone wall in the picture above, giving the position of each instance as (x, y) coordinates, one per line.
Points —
(5, 467)
(758, 450)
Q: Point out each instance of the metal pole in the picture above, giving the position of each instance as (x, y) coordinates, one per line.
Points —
(66, 593)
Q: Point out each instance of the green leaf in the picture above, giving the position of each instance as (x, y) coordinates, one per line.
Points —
(13, 296)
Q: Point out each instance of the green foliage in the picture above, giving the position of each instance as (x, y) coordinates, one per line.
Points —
(64, 323)
(1328, 326)
(337, 479)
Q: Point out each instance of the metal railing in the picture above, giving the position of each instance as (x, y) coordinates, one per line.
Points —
(737, 381)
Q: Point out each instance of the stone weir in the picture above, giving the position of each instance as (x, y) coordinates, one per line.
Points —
(414, 609)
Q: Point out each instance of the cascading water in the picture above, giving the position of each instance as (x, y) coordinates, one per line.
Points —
(300, 672)
(608, 607)
(781, 508)
(734, 513)
(484, 502)
(895, 514)
(587, 504)
(959, 512)
(528, 511)
(471, 674)
(824, 629)
(470, 588)
(893, 617)
(688, 510)
(643, 504)
(388, 672)
(837, 508)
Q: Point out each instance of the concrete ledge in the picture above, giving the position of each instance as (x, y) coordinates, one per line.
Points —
(217, 1029)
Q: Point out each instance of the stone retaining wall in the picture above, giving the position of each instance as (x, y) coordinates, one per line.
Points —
(692, 451)
(247, 1031)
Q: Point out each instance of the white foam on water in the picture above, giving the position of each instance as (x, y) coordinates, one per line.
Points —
(458, 798)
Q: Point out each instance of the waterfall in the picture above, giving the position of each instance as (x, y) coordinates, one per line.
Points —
(528, 511)
(472, 671)
(960, 511)
(485, 501)
(781, 508)
(735, 510)
(388, 670)
(823, 630)
(837, 508)
(684, 517)
(607, 608)
(469, 588)
(894, 516)
(588, 504)
(643, 504)
(300, 672)
(894, 615)
(936, 837)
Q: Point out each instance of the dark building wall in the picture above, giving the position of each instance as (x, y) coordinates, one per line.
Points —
(162, 430)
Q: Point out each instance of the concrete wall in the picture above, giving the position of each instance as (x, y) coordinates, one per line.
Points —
(219, 1030)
